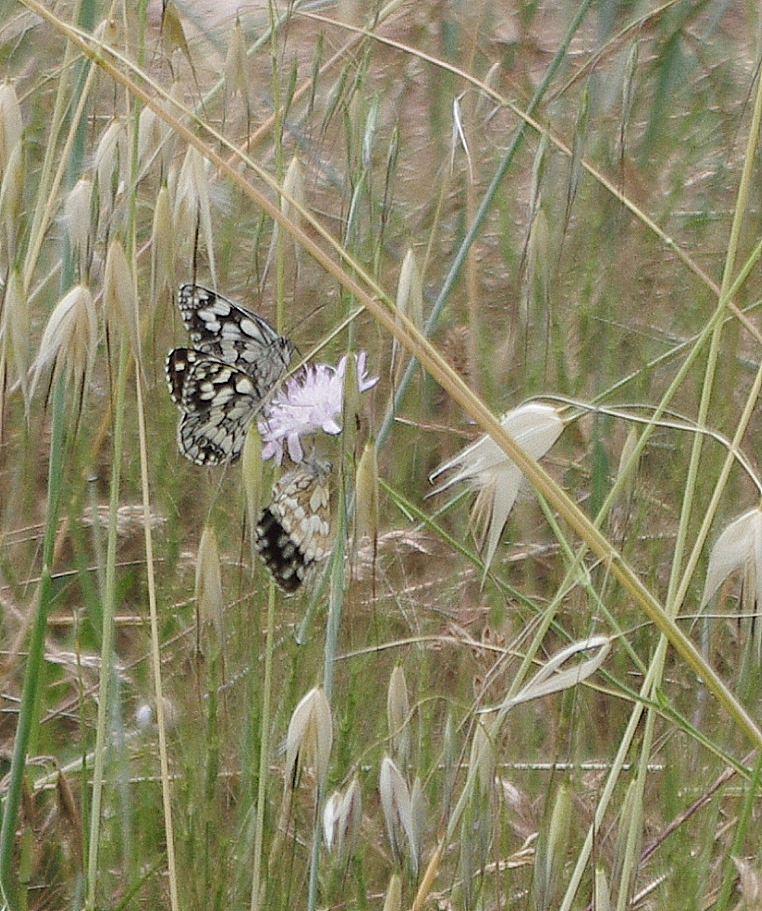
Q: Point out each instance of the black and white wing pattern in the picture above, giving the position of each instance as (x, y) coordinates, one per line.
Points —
(293, 534)
(219, 383)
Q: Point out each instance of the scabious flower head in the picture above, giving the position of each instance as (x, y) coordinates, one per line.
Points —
(309, 401)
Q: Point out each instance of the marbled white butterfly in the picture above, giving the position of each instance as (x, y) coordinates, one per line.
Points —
(219, 383)
(294, 532)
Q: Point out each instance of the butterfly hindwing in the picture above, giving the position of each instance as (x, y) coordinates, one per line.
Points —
(213, 436)
(293, 532)
(219, 384)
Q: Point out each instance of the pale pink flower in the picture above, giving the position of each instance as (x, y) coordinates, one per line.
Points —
(309, 401)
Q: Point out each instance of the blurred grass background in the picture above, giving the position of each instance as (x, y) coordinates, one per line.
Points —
(400, 118)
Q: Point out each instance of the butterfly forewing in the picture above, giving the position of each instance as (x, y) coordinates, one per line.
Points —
(219, 327)
(220, 383)
(294, 532)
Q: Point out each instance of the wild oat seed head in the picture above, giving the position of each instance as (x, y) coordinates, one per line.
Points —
(237, 66)
(393, 898)
(342, 816)
(11, 123)
(110, 158)
(70, 820)
(310, 736)
(369, 134)
(397, 807)
(11, 190)
(15, 331)
(409, 298)
(602, 899)
(172, 31)
(418, 810)
(625, 457)
(739, 547)
(70, 337)
(409, 302)
(331, 812)
(151, 134)
(483, 759)
(293, 190)
(162, 248)
(209, 597)
(77, 217)
(397, 715)
(552, 849)
(192, 198)
(120, 300)
(486, 468)
(252, 475)
(366, 493)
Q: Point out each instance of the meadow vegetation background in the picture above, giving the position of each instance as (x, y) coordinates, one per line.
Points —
(564, 199)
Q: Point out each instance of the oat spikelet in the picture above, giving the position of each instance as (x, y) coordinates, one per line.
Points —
(366, 494)
(397, 715)
(209, 582)
(77, 218)
(342, 816)
(738, 547)
(69, 341)
(110, 156)
(409, 302)
(237, 67)
(402, 820)
(484, 465)
(120, 296)
(14, 331)
(310, 737)
(11, 123)
(192, 205)
(393, 899)
(162, 248)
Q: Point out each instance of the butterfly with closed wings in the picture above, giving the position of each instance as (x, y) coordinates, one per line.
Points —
(293, 534)
(220, 383)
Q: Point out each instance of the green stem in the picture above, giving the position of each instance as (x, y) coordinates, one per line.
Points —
(29, 708)
(107, 641)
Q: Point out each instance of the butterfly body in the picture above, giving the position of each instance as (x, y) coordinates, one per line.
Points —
(220, 383)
